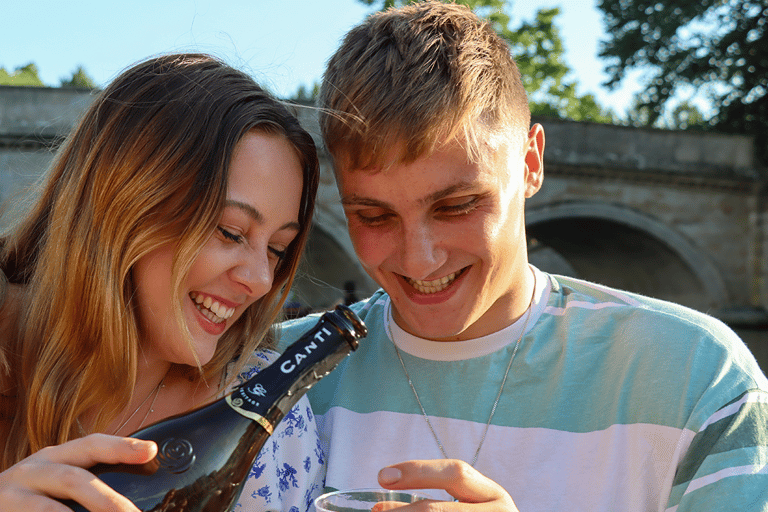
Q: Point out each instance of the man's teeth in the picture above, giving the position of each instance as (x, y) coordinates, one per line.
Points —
(433, 286)
(211, 309)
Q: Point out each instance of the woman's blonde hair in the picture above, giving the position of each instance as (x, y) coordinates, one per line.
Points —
(416, 76)
(147, 164)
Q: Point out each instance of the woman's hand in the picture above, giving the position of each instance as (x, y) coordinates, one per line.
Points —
(456, 477)
(58, 473)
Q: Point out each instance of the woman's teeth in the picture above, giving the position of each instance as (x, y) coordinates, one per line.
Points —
(433, 286)
(211, 309)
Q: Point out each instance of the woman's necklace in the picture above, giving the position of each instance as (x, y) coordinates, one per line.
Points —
(498, 396)
(151, 409)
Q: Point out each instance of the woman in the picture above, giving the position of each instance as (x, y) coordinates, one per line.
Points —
(160, 250)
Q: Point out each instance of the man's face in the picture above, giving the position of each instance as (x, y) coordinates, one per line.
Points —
(445, 237)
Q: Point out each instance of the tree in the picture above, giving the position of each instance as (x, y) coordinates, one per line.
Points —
(79, 79)
(29, 76)
(538, 51)
(302, 94)
(718, 48)
(22, 76)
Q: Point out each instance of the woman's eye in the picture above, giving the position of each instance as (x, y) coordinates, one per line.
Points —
(230, 236)
(279, 253)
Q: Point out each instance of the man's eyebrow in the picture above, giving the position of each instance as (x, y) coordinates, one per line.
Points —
(355, 200)
(257, 216)
(461, 186)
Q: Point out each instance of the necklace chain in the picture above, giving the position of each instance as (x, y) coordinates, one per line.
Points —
(495, 402)
(154, 392)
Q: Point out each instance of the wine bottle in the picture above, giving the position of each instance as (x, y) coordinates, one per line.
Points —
(205, 455)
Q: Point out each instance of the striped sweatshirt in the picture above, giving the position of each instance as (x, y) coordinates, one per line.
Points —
(613, 402)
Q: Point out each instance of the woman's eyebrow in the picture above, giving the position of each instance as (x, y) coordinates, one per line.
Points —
(247, 209)
(257, 216)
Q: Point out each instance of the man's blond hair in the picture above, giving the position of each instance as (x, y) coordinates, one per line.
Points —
(414, 77)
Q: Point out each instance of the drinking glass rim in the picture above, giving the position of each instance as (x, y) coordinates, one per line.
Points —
(372, 490)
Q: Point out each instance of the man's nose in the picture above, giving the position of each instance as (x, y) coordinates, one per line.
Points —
(422, 252)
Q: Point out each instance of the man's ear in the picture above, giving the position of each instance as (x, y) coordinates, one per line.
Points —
(534, 160)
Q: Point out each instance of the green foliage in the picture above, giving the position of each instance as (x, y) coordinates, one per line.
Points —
(718, 47)
(302, 94)
(539, 53)
(386, 4)
(683, 116)
(686, 116)
(79, 79)
(29, 76)
(22, 76)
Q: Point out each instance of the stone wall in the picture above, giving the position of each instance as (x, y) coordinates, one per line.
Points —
(33, 121)
(687, 209)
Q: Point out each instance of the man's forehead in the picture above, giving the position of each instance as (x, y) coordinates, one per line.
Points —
(481, 146)
(453, 168)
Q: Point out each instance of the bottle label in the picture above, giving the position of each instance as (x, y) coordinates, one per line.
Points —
(237, 404)
(302, 364)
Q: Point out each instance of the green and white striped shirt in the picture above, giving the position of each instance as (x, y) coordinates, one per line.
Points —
(614, 402)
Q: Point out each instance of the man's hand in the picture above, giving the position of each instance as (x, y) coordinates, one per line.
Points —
(456, 477)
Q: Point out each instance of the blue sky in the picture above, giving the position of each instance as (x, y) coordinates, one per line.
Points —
(283, 44)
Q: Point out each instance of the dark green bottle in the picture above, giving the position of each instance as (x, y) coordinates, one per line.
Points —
(204, 456)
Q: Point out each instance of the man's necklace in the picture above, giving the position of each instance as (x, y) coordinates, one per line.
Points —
(495, 402)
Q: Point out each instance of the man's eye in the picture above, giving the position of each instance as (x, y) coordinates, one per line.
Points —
(373, 219)
(230, 236)
(459, 209)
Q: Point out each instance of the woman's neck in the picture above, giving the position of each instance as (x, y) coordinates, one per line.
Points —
(158, 396)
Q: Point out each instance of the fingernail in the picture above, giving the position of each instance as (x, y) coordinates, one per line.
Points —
(143, 446)
(389, 475)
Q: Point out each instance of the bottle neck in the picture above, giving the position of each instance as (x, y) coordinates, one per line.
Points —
(300, 366)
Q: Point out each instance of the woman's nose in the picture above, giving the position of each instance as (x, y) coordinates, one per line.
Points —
(254, 273)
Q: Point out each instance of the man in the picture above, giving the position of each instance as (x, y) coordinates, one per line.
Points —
(484, 379)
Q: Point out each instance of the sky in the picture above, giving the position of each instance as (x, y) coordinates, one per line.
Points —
(283, 44)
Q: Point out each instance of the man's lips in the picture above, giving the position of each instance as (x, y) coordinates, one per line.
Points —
(428, 287)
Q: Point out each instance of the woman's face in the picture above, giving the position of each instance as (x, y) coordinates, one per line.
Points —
(236, 266)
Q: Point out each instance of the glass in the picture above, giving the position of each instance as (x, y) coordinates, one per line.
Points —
(364, 500)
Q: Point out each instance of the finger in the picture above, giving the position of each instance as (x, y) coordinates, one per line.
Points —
(40, 481)
(387, 505)
(99, 448)
(61, 471)
(99, 497)
(28, 501)
(456, 477)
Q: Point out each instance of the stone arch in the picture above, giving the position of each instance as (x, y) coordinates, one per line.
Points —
(711, 283)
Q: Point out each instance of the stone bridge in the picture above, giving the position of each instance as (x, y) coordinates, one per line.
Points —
(675, 215)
